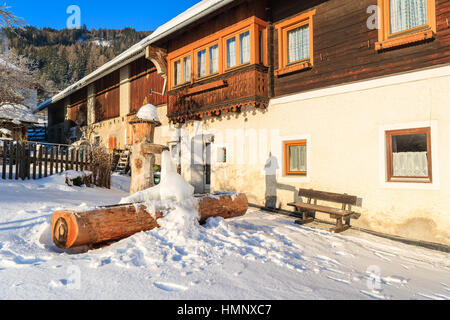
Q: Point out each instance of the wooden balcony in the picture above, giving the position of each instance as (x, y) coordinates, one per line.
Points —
(229, 92)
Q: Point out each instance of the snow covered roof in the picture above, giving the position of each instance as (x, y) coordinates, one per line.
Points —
(193, 14)
(196, 12)
(17, 113)
(6, 132)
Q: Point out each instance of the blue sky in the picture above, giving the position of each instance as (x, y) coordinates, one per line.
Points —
(112, 14)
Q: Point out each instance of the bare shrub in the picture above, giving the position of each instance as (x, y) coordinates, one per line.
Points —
(101, 167)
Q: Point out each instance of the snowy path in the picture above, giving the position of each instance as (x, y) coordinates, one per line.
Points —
(259, 256)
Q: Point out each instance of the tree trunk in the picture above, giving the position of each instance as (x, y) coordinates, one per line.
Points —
(73, 229)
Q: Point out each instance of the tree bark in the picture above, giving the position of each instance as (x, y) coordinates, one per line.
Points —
(92, 228)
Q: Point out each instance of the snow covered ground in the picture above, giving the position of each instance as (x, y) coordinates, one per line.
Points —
(259, 256)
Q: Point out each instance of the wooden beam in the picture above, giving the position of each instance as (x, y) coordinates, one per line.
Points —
(150, 148)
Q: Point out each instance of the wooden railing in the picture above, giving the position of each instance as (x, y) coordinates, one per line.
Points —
(244, 87)
(25, 160)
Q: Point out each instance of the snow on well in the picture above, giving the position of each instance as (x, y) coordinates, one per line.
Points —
(172, 187)
(148, 112)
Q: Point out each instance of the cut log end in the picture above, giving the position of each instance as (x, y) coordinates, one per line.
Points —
(64, 229)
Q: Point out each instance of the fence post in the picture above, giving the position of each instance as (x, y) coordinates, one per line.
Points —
(40, 161)
(45, 161)
(24, 174)
(56, 159)
(23, 162)
(34, 161)
(52, 160)
(67, 160)
(4, 160)
(58, 162)
(17, 160)
(11, 160)
(82, 155)
(28, 162)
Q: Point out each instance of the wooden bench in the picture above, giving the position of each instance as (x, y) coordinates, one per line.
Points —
(308, 209)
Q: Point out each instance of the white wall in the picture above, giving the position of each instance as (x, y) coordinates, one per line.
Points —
(344, 127)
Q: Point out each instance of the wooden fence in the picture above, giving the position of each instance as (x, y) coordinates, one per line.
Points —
(36, 161)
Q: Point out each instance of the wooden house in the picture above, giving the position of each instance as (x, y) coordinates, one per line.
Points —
(100, 105)
(266, 97)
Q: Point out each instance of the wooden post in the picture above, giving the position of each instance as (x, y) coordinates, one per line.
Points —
(77, 160)
(45, 161)
(11, 160)
(24, 171)
(61, 160)
(17, 161)
(40, 161)
(28, 162)
(82, 155)
(52, 159)
(56, 160)
(5, 144)
(34, 161)
(72, 161)
(67, 160)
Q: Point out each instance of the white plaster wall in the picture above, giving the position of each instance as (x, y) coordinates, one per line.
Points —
(345, 133)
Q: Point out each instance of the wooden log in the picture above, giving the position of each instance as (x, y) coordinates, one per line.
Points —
(92, 228)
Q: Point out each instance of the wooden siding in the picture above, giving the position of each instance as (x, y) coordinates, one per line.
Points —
(56, 113)
(239, 11)
(143, 77)
(229, 92)
(77, 109)
(344, 47)
(107, 98)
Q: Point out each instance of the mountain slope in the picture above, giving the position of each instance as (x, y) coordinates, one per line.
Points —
(65, 56)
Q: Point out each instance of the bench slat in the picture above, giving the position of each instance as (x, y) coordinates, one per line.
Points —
(328, 196)
(312, 207)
